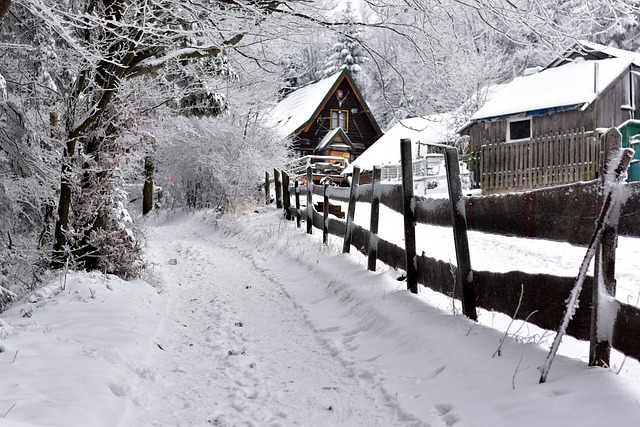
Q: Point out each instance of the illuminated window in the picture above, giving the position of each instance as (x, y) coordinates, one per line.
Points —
(340, 119)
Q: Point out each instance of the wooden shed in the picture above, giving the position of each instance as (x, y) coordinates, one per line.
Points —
(542, 128)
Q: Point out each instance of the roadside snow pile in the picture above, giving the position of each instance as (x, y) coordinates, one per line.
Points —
(71, 356)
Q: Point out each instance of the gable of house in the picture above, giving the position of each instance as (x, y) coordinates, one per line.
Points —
(309, 114)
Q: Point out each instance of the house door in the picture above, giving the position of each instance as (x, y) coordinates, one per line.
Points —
(343, 154)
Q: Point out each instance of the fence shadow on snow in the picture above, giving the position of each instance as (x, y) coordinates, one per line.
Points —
(565, 213)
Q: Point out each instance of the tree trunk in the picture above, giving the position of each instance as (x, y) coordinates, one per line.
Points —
(4, 8)
(64, 204)
(147, 189)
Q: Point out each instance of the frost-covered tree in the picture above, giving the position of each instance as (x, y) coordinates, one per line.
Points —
(208, 163)
(431, 56)
(347, 50)
(608, 23)
(112, 56)
(303, 65)
(424, 63)
(28, 150)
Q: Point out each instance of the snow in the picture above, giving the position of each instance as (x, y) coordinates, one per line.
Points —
(428, 129)
(298, 107)
(566, 85)
(258, 323)
(3, 90)
(612, 51)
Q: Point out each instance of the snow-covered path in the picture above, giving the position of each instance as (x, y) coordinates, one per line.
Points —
(234, 349)
(258, 323)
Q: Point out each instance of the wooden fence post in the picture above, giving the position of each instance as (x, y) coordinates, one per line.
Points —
(605, 259)
(409, 215)
(309, 200)
(372, 254)
(351, 212)
(286, 196)
(267, 188)
(296, 190)
(325, 215)
(464, 274)
(278, 186)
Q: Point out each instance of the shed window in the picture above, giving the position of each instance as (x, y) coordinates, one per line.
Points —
(340, 119)
(518, 130)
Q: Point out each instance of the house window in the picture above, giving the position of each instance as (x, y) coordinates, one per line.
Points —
(340, 119)
(518, 130)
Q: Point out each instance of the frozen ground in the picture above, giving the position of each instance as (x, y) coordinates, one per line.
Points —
(256, 323)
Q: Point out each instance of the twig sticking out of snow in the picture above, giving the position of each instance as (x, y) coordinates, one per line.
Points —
(9, 410)
(498, 351)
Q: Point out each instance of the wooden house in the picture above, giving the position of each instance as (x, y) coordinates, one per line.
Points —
(327, 118)
(542, 128)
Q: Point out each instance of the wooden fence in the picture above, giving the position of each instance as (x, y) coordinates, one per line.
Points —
(559, 158)
(562, 213)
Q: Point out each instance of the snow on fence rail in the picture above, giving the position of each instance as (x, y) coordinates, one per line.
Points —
(564, 213)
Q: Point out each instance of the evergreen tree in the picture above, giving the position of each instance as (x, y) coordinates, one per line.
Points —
(347, 51)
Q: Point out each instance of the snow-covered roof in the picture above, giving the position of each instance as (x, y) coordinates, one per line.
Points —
(298, 108)
(568, 85)
(596, 48)
(329, 137)
(436, 129)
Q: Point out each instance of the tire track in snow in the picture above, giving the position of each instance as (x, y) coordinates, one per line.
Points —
(234, 349)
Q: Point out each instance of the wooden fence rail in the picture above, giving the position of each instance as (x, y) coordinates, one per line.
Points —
(559, 158)
(565, 213)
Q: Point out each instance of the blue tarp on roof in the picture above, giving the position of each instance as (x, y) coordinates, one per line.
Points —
(541, 112)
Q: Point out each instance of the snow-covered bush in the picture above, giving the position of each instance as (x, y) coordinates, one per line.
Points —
(215, 162)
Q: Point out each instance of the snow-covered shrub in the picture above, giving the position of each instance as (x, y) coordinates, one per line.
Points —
(215, 162)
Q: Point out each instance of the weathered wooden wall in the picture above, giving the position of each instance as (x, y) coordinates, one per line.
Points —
(542, 161)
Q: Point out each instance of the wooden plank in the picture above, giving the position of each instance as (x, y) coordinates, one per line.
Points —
(278, 186)
(486, 173)
(502, 179)
(325, 216)
(605, 259)
(286, 196)
(482, 179)
(581, 156)
(408, 215)
(372, 253)
(626, 329)
(492, 171)
(297, 193)
(534, 149)
(519, 172)
(570, 168)
(491, 156)
(545, 160)
(351, 211)
(310, 216)
(267, 188)
(464, 275)
(542, 293)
